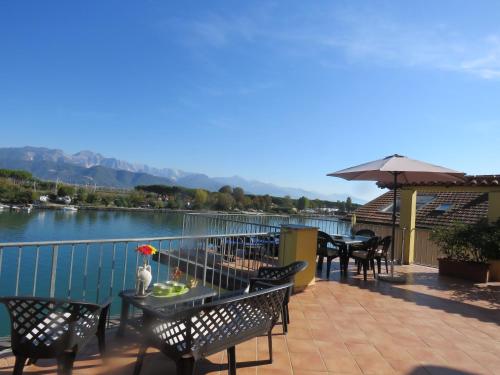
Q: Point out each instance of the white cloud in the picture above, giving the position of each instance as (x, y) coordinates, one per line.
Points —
(363, 37)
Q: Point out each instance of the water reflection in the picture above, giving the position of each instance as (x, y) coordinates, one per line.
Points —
(45, 225)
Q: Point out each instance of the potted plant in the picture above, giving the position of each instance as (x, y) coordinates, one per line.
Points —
(470, 251)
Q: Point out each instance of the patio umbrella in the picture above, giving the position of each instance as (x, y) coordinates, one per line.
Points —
(397, 169)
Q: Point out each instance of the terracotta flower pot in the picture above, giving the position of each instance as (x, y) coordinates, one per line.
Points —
(473, 271)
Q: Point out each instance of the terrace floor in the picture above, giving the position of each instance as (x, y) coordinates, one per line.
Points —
(431, 325)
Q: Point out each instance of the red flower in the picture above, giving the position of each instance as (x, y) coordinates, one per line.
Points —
(146, 249)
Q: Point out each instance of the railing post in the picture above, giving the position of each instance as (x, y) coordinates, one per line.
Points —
(18, 272)
(53, 271)
(205, 263)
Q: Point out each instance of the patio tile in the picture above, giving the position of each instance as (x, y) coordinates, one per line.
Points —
(307, 361)
(342, 365)
(373, 363)
(301, 346)
(300, 333)
(281, 361)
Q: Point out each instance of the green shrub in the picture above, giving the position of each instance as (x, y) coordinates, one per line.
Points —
(469, 242)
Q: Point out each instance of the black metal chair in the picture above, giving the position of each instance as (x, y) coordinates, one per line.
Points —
(323, 250)
(279, 276)
(53, 328)
(190, 335)
(381, 252)
(365, 258)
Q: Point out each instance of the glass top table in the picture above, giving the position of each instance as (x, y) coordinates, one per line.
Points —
(197, 294)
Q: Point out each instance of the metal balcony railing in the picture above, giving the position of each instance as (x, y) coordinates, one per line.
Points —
(198, 223)
(93, 270)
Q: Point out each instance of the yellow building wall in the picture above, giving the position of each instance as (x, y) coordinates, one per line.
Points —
(298, 242)
(408, 210)
(493, 206)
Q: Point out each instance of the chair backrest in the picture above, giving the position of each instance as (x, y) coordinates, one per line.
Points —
(45, 327)
(385, 243)
(215, 326)
(372, 246)
(283, 274)
(324, 239)
(365, 232)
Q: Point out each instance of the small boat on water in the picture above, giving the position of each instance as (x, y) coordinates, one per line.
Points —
(27, 208)
(3, 207)
(70, 208)
(15, 208)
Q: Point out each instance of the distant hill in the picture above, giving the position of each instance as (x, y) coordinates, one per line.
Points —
(89, 167)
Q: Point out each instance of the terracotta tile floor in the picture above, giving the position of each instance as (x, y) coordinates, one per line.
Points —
(430, 325)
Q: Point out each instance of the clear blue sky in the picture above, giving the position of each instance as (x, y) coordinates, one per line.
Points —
(282, 92)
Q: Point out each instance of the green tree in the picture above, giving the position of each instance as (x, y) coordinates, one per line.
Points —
(303, 203)
(348, 204)
(287, 202)
(23, 196)
(121, 201)
(226, 189)
(200, 198)
(92, 198)
(81, 195)
(225, 202)
(238, 194)
(105, 200)
(64, 190)
(137, 198)
(15, 174)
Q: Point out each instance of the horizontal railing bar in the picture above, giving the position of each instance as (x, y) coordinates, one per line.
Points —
(120, 240)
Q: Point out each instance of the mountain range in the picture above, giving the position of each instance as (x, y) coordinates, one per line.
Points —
(87, 167)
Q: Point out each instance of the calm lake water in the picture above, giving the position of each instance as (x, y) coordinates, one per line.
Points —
(52, 225)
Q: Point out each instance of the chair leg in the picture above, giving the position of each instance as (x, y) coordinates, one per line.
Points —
(287, 314)
(386, 268)
(270, 345)
(19, 366)
(359, 267)
(372, 262)
(231, 359)
(65, 363)
(328, 266)
(185, 366)
(319, 266)
(101, 341)
(284, 320)
(379, 264)
(140, 359)
(365, 269)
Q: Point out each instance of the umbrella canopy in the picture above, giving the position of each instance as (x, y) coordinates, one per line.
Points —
(407, 170)
(397, 169)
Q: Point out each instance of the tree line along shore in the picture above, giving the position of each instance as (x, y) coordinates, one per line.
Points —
(21, 187)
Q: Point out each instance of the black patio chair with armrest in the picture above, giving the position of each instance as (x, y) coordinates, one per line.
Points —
(366, 258)
(190, 335)
(279, 276)
(381, 252)
(325, 251)
(53, 328)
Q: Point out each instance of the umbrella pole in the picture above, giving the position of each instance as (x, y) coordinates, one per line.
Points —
(394, 201)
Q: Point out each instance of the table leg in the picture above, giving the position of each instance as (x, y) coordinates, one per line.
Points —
(346, 259)
(123, 318)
